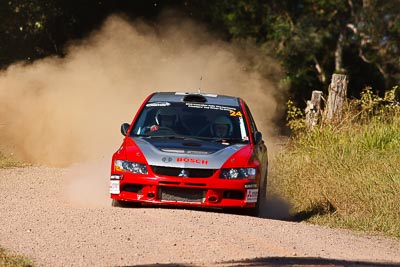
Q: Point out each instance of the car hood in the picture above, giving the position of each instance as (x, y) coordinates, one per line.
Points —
(187, 153)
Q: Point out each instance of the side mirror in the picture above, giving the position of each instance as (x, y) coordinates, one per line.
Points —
(257, 137)
(124, 128)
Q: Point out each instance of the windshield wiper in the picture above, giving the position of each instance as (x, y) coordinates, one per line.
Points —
(197, 138)
(166, 137)
(215, 139)
(229, 140)
(139, 135)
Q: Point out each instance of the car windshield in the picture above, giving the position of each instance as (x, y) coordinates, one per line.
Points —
(193, 120)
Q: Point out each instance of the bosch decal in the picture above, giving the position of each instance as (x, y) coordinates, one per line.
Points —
(193, 160)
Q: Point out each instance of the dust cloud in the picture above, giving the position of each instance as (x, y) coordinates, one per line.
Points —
(67, 111)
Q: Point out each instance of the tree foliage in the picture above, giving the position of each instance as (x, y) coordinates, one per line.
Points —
(314, 39)
(311, 38)
(33, 29)
(28, 29)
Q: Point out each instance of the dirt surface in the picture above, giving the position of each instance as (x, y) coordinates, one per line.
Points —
(57, 217)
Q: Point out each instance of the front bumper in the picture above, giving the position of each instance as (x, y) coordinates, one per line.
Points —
(195, 192)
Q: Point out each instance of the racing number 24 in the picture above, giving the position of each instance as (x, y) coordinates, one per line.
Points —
(234, 113)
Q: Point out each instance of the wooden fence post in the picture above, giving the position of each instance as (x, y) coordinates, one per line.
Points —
(336, 98)
(313, 110)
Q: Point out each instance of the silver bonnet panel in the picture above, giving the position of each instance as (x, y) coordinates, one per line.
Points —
(157, 157)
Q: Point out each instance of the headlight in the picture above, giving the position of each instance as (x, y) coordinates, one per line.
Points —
(133, 167)
(238, 173)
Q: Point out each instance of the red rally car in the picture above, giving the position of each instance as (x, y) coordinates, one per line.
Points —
(191, 149)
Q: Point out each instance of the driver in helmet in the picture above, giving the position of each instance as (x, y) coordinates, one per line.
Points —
(166, 117)
(222, 127)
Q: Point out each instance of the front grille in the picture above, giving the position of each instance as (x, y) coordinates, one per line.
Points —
(233, 194)
(183, 172)
(192, 195)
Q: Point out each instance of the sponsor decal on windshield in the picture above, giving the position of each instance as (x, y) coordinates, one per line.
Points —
(192, 160)
(158, 104)
(243, 129)
(209, 106)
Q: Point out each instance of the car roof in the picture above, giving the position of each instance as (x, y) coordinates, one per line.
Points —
(212, 99)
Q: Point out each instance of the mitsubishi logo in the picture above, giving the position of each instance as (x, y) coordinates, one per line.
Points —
(183, 173)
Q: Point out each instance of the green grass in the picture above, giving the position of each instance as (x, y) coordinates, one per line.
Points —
(348, 178)
(9, 260)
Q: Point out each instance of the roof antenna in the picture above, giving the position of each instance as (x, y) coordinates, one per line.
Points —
(201, 78)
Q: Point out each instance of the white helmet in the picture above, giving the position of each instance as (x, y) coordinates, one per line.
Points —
(222, 120)
(166, 113)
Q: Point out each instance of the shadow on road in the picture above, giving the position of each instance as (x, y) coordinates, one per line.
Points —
(274, 207)
(301, 261)
(279, 209)
(283, 261)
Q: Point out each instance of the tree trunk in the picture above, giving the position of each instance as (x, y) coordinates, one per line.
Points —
(313, 110)
(339, 54)
(337, 97)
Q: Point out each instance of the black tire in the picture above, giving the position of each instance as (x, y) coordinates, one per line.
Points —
(254, 212)
(261, 202)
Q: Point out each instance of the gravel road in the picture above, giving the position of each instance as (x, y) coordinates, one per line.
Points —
(63, 217)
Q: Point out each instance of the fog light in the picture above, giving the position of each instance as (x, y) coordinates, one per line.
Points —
(212, 199)
(250, 186)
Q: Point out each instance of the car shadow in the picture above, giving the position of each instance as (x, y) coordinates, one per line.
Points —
(282, 261)
(278, 208)
(274, 207)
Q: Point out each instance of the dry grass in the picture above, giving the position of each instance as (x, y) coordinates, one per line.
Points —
(10, 162)
(9, 260)
(347, 176)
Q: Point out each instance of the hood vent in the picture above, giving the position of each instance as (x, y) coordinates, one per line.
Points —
(195, 98)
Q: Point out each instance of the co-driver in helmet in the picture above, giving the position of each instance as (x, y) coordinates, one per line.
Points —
(222, 127)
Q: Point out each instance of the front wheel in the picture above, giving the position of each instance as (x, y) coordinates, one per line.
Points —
(257, 211)
(254, 212)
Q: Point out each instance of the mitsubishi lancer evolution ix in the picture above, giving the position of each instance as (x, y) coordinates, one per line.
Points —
(188, 149)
